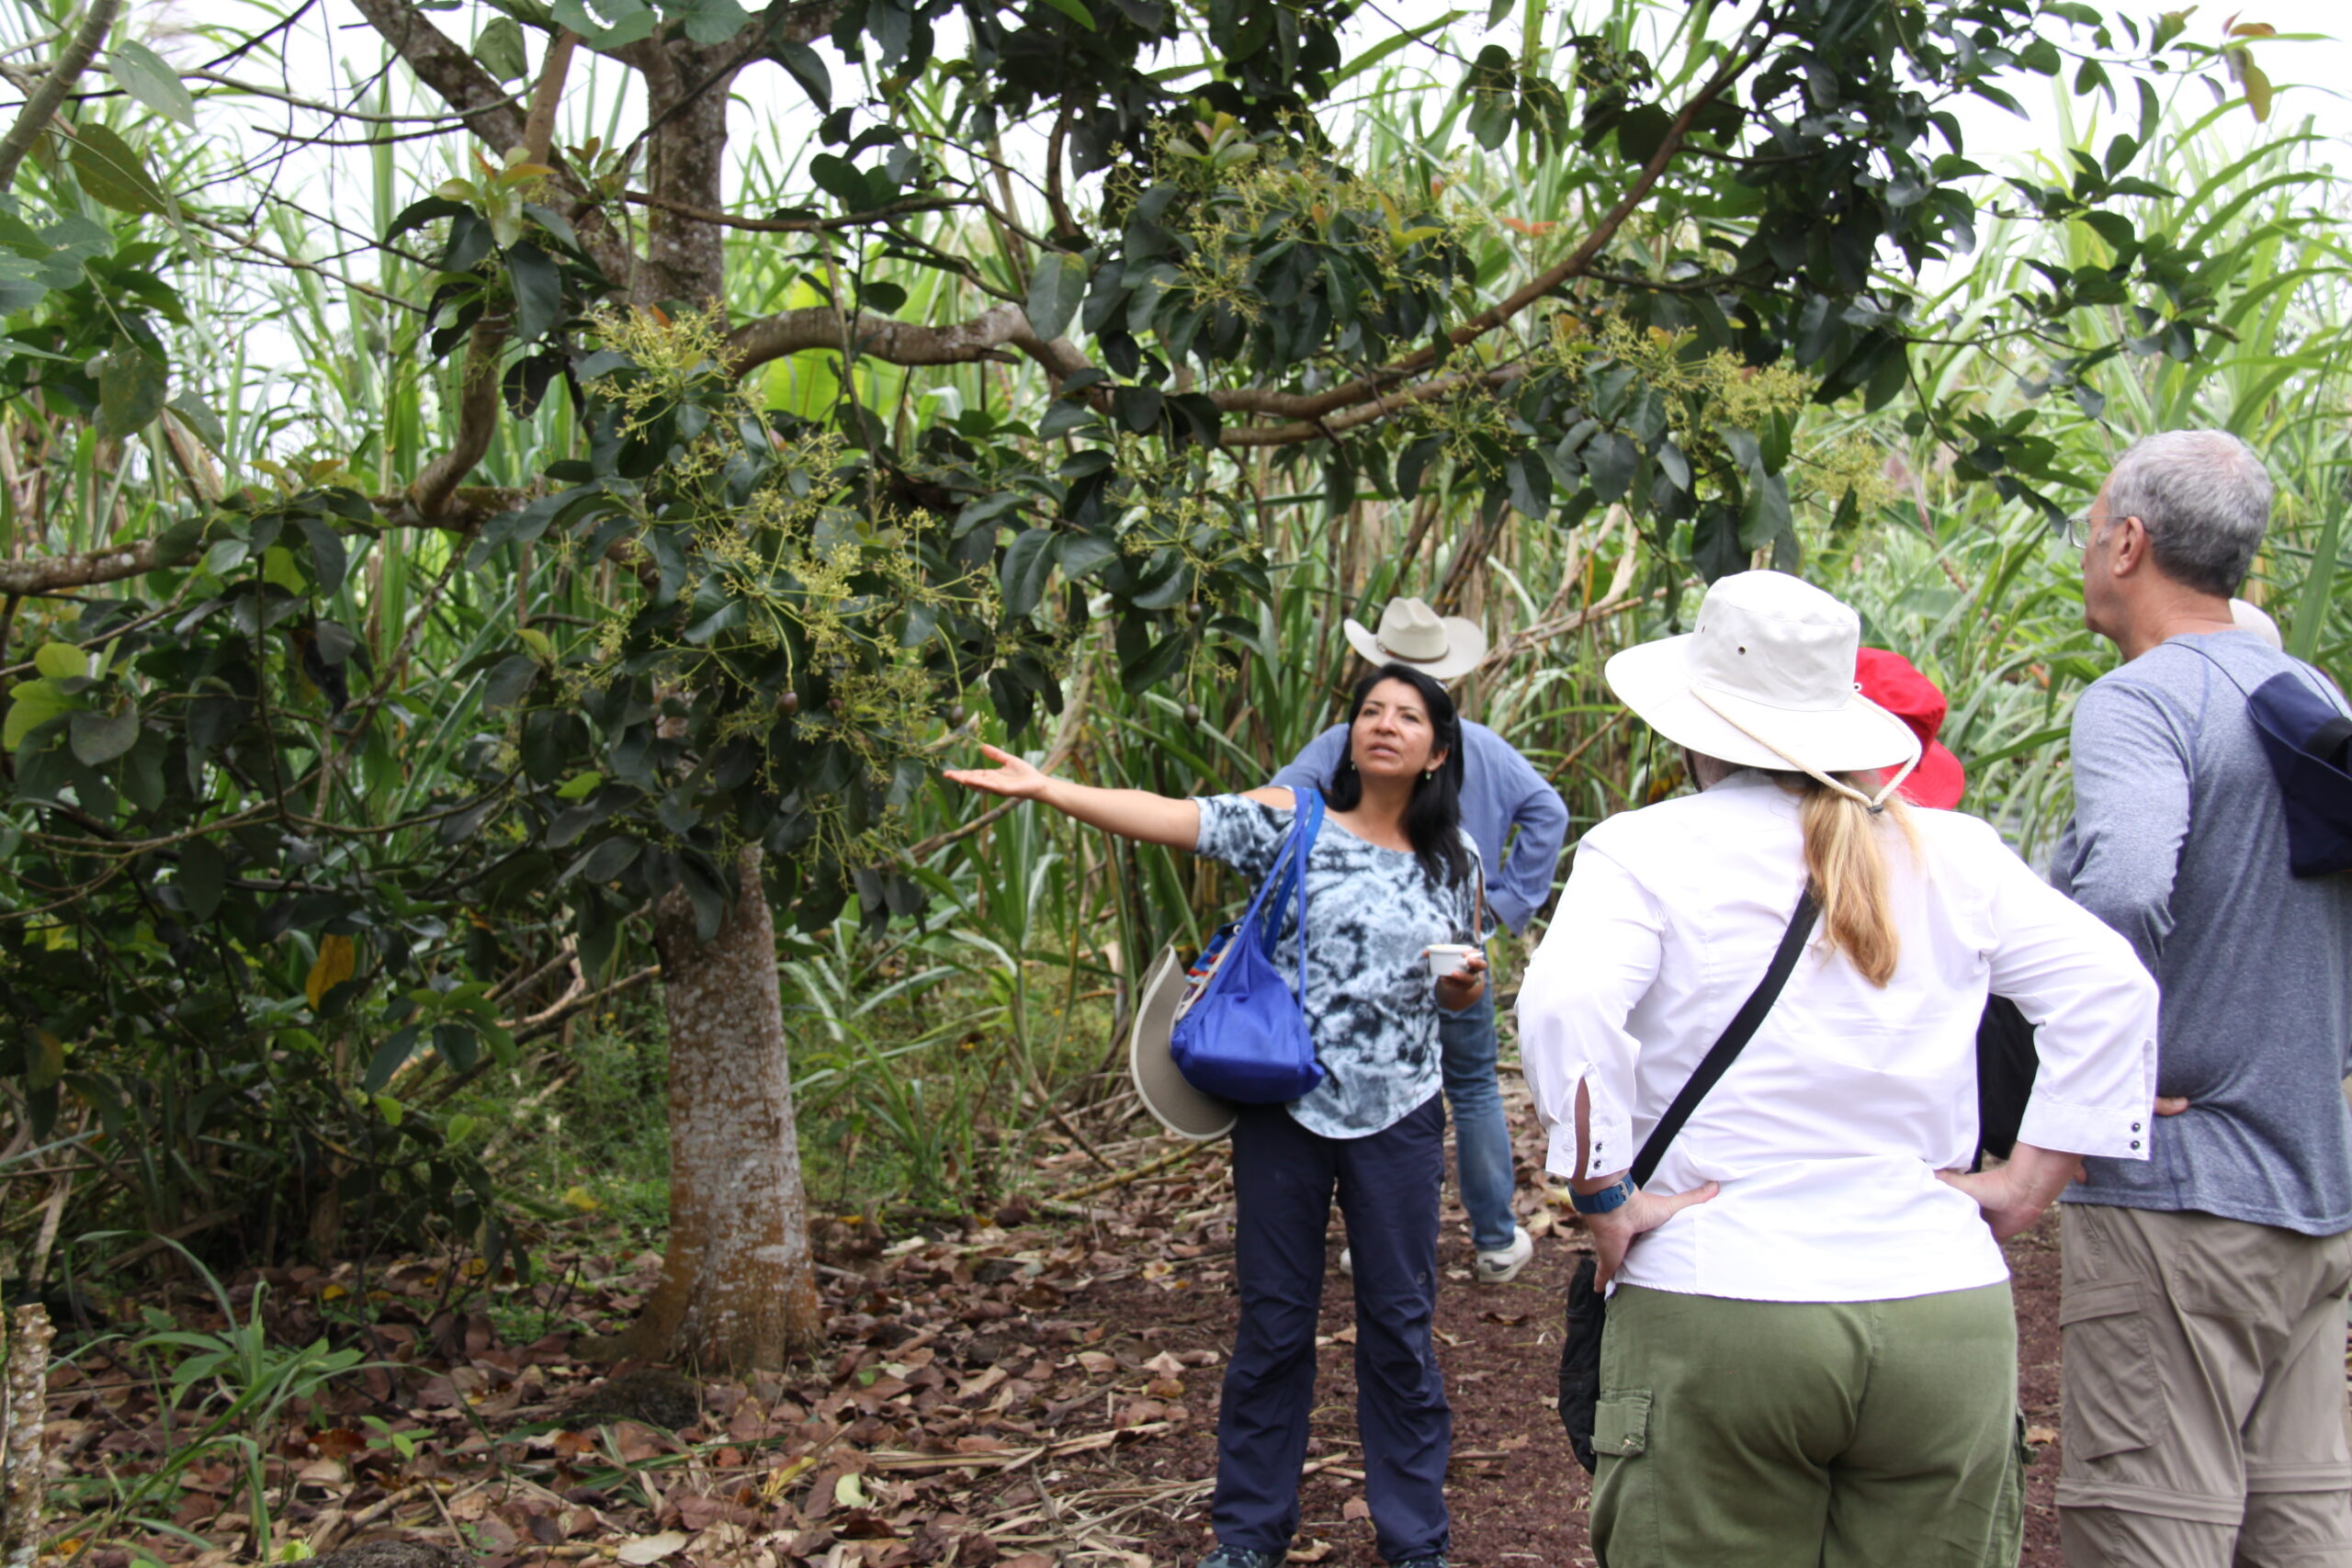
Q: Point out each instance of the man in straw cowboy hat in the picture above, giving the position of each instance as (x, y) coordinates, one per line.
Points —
(1811, 1353)
(2204, 1287)
(1501, 793)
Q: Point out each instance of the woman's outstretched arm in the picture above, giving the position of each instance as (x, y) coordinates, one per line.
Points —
(1130, 813)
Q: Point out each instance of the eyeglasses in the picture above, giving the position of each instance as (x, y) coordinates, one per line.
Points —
(2077, 530)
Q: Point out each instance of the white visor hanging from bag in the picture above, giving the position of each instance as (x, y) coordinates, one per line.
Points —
(1767, 681)
(1173, 1103)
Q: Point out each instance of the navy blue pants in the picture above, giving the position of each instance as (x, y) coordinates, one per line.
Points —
(1283, 1176)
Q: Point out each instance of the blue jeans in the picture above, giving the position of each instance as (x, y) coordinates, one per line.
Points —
(1283, 1180)
(1481, 1137)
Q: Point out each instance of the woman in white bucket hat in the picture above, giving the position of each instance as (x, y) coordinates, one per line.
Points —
(1810, 1355)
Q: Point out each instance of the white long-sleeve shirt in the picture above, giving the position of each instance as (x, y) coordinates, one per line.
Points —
(1827, 1131)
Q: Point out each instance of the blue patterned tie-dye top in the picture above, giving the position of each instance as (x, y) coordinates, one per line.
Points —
(1370, 1003)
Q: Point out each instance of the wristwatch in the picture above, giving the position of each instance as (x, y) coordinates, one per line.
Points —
(1607, 1201)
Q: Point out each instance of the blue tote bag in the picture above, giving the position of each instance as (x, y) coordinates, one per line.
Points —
(1241, 1036)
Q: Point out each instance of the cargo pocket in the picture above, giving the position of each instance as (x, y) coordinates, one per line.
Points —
(2113, 1402)
(1621, 1425)
(1624, 1482)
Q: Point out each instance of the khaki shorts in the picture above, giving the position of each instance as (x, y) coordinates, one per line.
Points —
(2203, 1393)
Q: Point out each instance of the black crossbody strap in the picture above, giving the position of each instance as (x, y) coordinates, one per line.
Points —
(1735, 1039)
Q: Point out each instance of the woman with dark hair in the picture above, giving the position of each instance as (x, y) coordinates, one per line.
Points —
(1391, 875)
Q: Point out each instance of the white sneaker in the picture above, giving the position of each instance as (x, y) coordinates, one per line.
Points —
(1502, 1266)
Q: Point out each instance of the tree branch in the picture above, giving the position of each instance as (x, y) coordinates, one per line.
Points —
(798, 225)
(478, 400)
(986, 336)
(452, 75)
(477, 420)
(448, 70)
(46, 576)
(40, 109)
(538, 125)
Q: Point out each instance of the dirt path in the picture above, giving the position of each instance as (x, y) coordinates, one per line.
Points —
(1516, 1496)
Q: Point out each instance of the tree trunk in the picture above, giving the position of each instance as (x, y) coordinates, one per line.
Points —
(739, 1287)
(24, 1392)
(686, 93)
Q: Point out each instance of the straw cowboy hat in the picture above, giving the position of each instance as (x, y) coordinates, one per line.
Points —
(1175, 1103)
(1767, 681)
(1441, 646)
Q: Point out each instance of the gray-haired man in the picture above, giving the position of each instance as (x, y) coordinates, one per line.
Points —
(2204, 1307)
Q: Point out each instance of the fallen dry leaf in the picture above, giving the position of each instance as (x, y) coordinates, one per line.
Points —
(647, 1549)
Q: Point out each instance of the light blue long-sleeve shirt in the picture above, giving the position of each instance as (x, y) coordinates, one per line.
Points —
(1500, 790)
(2179, 843)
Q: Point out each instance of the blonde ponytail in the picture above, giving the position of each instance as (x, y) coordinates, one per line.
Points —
(1848, 867)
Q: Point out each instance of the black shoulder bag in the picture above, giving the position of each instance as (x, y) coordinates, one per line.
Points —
(1581, 1345)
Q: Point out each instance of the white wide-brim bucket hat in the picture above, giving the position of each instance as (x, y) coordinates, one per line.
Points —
(1173, 1103)
(1767, 681)
(1413, 635)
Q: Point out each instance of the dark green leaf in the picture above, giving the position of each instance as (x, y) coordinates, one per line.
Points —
(807, 68)
(201, 422)
(1609, 460)
(389, 1058)
(328, 558)
(1530, 484)
(131, 389)
(417, 214)
(1028, 563)
(111, 170)
(706, 22)
(632, 21)
(539, 291)
(840, 179)
(1056, 290)
(98, 739)
(509, 680)
(1082, 553)
(499, 48)
(707, 892)
(203, 873)
(1077, 11)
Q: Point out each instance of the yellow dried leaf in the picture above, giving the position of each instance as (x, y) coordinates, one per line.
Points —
(337, 958)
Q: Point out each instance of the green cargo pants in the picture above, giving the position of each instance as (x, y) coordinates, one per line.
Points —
(1808, 1434)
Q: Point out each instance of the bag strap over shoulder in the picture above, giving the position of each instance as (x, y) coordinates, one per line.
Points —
(1735, 1039)
(1290, 870)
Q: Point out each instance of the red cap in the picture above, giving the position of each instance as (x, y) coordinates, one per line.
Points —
(1890, 681)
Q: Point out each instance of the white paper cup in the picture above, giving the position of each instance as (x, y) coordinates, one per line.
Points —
(1447, 958)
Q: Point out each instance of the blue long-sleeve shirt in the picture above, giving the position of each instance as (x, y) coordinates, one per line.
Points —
(1500, 790)
(2179, 843)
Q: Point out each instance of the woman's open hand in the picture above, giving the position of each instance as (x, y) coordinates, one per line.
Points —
(1613, 1234)
(2012, 1195)
(1011, 777)
(1459, 989)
